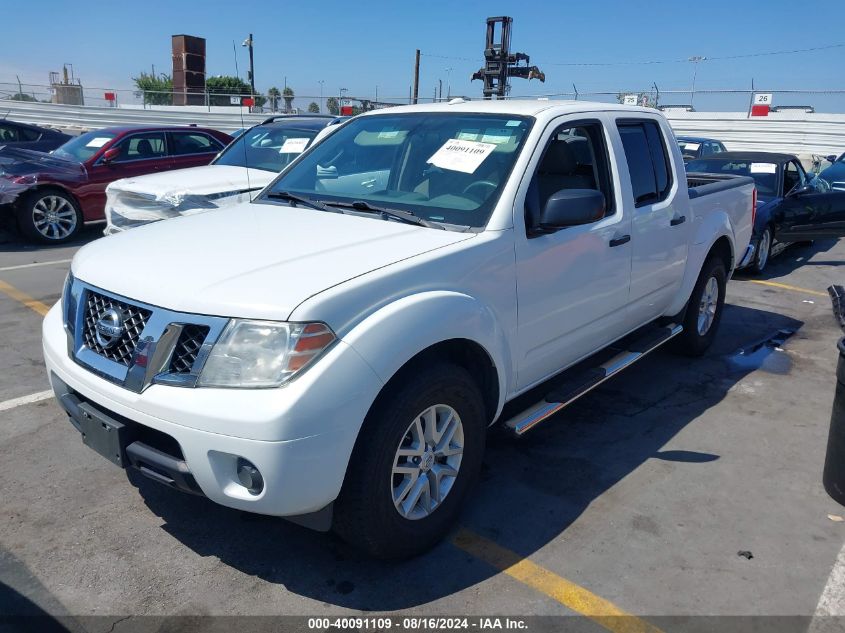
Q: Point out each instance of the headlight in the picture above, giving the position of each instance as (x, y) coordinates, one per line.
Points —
(256, 354)
(68, 307)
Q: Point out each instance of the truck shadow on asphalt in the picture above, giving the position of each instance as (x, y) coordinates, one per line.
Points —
(531, 491)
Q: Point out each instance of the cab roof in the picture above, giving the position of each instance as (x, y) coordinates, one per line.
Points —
(518, 107)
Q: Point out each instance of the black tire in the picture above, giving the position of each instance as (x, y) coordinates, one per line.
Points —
(364, 513)
(33, 223)
(761, 258)
(691, 342)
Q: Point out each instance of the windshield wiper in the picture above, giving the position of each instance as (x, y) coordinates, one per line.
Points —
(292, 197)
(396, 214)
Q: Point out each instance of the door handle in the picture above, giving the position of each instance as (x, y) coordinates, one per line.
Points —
(619, 241)
(678, 220)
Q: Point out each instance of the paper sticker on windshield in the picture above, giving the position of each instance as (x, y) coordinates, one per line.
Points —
(690, 146)
(99, 141)
(763, 168)
(513, 123)
(458, 155)
(496, 135)
(388, 132)
(294, 145)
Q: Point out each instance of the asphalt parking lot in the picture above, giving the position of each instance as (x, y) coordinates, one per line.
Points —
(636, 499)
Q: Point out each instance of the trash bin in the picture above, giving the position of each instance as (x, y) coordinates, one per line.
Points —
(834, 462)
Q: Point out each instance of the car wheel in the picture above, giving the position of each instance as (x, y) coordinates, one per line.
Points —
(764, 250)
(49, 216)
(704, 309)
(416, 458)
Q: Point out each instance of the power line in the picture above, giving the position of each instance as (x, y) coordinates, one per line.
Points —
(660, 61)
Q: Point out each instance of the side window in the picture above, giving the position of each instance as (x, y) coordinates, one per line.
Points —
(575, 158)
(648, 162)
(706, 149)
(718, 148)
(146, 145)
(29, 135)
(193, 143)
(8, 134)
(792, 177)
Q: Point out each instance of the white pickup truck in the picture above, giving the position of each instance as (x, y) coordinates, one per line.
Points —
(334, 351)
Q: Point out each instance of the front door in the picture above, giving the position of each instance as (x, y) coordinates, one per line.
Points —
(810, 210)
(572, 284)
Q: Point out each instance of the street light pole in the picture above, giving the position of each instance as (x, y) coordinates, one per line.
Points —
(695, 60)
(248, 44)
(449, 83)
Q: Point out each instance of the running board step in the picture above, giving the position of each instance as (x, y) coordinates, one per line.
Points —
(585, 380)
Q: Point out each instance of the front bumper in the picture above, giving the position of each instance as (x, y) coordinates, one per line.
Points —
(300, 436)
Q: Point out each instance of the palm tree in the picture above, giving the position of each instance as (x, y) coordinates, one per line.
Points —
(274, 95)
(287, 95)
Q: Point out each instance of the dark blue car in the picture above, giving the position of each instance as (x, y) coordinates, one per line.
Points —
(25, 136)
(835, 174)
(792, 206)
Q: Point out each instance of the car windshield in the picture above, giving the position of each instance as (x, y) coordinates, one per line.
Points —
(448, 168)
(689, 149)
(764, 174)
(268, 147)
(84, 146)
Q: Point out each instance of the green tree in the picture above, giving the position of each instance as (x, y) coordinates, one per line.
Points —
(287, 95)
(221, 87)
(274, 95)
(313, 107)
(22, 96)
(333, 106)
(156, 89)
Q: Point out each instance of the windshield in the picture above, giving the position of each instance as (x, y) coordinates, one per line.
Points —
(270, 147)
(448, 168)
(765, 175)
(689, 149)
(84, 146)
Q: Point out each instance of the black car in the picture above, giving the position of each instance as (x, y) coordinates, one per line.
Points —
(792, 206)
(693, 147)
(27, 136)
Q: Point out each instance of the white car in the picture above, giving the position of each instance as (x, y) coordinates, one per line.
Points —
(245, 167)
(334, 351)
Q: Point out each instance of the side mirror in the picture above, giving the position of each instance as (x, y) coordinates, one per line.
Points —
(797, 191)
(572, 207)
(110, 154)
(831, 158)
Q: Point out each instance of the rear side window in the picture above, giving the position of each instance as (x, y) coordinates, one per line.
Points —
(193, 143)
(29, 135)
(648, 161)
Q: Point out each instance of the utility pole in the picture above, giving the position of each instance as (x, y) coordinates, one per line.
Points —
(321, 82)
(417, 76)
(440, 82)
(449, 83)
(696, 59)
(248, 44)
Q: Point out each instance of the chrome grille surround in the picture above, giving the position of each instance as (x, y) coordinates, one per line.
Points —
(158, 345)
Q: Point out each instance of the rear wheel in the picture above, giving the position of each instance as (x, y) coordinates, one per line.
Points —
(764, 249)
(704, 309)
(50, 216)
(416, 458)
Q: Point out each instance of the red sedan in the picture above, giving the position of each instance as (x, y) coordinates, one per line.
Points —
(53, 195)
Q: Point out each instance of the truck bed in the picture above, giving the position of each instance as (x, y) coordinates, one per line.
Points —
(701, 184)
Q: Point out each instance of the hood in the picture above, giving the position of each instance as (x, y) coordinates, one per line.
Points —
(16, 161)
(209, 179)
(835, 175)
(250, 260)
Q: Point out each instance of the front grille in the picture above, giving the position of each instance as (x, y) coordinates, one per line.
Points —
(187, 348)
(134, 321)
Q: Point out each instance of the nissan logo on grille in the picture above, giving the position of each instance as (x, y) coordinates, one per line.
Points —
(109, 328)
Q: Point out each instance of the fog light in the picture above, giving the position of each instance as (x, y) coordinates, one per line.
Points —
(249, 477)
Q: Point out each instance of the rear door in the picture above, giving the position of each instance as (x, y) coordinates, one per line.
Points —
(661, 222)
(141, 153)
(192, 149)
(810, 210)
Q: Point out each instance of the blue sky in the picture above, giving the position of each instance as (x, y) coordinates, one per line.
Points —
(361, 45)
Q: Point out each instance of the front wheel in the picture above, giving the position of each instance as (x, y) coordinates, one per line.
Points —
(416, 458)
(49, 216)
(704, 309)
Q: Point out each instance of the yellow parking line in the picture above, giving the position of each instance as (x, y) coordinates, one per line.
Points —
(29, 302)
(775, 284)
(565, 592)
